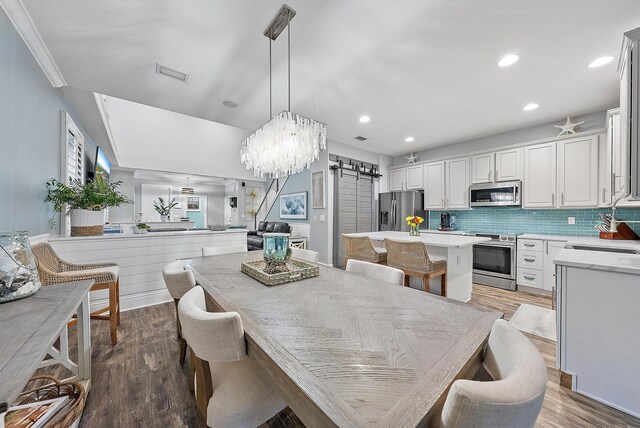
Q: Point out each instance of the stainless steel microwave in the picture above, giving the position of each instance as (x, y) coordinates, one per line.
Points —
(495, 194)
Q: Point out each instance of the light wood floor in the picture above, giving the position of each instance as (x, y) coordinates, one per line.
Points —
(138, 383)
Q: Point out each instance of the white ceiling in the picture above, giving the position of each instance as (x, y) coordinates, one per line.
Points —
(416, 67)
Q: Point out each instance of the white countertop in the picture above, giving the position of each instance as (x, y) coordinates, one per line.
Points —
(599, 260)
(444, 232)
(182, 233)
(431, 239)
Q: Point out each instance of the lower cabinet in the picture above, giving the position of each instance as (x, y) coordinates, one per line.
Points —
(536, 271)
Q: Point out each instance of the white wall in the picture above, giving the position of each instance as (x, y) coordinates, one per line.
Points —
(155, 139)
(125, 213)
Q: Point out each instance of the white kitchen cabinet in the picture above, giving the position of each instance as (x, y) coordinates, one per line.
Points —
(508, 165)
(457, 183)
(578, 172)
(397, 178)
(434, 193)
(619, 147)
(540, 176)
(551, 250)
(605, 174)
(414, 177)
(482, 168)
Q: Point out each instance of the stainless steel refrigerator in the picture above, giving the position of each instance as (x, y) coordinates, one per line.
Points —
(394, 207)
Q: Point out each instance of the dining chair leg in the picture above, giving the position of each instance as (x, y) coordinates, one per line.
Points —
(183, 350)
(191, 369)
(113, 313)
(118, 298)
(407, 280)
(425, 283)
(203, 385)
(443, 288)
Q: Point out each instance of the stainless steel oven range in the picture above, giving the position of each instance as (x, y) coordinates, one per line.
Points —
(494, 262)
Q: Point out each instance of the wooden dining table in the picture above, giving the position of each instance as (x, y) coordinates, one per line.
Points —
(349, 351)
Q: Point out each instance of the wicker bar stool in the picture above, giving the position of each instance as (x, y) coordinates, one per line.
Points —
(53, 270)
(412, 258)
(362, 248)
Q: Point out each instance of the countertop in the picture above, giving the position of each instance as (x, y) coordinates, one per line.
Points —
(147, 235)
(599, 260)
(432, 239)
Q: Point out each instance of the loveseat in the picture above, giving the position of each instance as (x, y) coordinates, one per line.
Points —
(254, 237)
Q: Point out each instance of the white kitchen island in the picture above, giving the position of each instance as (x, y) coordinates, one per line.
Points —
(455, 249)
(141, 259)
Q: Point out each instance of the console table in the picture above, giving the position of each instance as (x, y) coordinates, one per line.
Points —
(31, 326)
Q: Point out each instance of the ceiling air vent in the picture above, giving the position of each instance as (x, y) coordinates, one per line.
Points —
(161, 69)
(361, 138)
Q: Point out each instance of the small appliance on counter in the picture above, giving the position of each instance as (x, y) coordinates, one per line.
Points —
(447, 222)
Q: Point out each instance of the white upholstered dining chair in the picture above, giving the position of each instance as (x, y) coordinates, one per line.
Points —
(376, 271)
(306, 255)
(513, 398)
(178, 281)
(216, 251)
(242, 396)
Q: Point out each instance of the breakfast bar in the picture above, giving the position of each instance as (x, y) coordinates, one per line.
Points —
(455, 249)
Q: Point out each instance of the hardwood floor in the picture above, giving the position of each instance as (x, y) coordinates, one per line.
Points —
(139, 383)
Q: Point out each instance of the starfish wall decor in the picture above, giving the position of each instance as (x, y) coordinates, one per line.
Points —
(411, 158)
(568, 127)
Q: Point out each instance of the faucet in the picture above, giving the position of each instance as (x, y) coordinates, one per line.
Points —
(613, 227)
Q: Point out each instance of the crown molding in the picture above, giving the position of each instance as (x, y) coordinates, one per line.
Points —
(22, 22)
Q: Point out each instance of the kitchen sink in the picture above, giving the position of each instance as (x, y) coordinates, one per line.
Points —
(603, 249)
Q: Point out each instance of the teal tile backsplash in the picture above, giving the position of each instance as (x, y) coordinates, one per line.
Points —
(518, 220)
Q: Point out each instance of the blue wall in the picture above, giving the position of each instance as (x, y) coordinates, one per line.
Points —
(29, 135)
(300, 182)
(518, 220)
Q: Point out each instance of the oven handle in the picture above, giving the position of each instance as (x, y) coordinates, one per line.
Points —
(497, 244)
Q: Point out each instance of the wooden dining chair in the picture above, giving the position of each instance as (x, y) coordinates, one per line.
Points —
(54, 270)
(362, 248)
(306, 255)
(376, 271)
(515, 396)
(178, 281)
(413, 259)
(242, 396)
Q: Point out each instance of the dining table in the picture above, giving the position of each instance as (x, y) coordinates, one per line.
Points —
(345, 350)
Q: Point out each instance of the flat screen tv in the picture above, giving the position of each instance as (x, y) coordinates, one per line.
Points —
(101, 165)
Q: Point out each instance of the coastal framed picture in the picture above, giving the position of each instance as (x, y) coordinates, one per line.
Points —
(317, 189)
(293, 206)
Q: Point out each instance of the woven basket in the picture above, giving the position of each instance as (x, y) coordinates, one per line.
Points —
(72, 409)
(87, 230)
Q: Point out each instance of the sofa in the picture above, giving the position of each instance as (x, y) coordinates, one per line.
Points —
(254, 237)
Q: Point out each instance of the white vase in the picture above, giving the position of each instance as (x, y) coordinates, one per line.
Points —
(164, 218)
(87, 222)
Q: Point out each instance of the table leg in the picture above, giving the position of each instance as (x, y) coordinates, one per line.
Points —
(84, 341)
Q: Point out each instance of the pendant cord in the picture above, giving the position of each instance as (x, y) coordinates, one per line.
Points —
(270, 84)
(289, 56)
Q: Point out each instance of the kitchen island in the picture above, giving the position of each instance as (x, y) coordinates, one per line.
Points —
(455, 249)
(141, 259)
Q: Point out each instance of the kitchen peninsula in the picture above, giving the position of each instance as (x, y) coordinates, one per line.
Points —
(142, 257)
(455, 249)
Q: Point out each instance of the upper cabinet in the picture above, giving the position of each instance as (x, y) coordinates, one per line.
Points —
(505, 165)
(540, 176)
(415, 177)
(509, 165)
(434, 194)
(457, 183)
(578, 172)
(626, 159)
(397, 179)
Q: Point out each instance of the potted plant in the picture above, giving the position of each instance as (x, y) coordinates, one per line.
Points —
(164, 209)
(140, 228)
(86, 202)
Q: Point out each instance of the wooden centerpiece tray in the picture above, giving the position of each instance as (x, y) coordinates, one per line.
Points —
(296, 270)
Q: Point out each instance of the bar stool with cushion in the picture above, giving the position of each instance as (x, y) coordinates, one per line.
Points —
(412, 258)
(513, 399)
(53, 270)
(231, 389)
(306, 255)
(376, 271)
(362, 248)
(178, 281)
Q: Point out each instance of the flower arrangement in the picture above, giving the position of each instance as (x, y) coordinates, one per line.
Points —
(414, 221)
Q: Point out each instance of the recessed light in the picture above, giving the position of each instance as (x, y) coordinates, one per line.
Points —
(508, 60)
(364, 119)
(409, 140)
(531, 106)
(230, 104)
(599, 62)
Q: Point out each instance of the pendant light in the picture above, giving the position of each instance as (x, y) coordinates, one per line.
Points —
(289, 142)
(187, 190)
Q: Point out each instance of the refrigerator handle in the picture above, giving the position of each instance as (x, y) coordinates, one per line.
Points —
(393, 214)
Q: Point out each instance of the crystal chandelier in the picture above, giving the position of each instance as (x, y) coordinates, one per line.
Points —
(288, 143)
